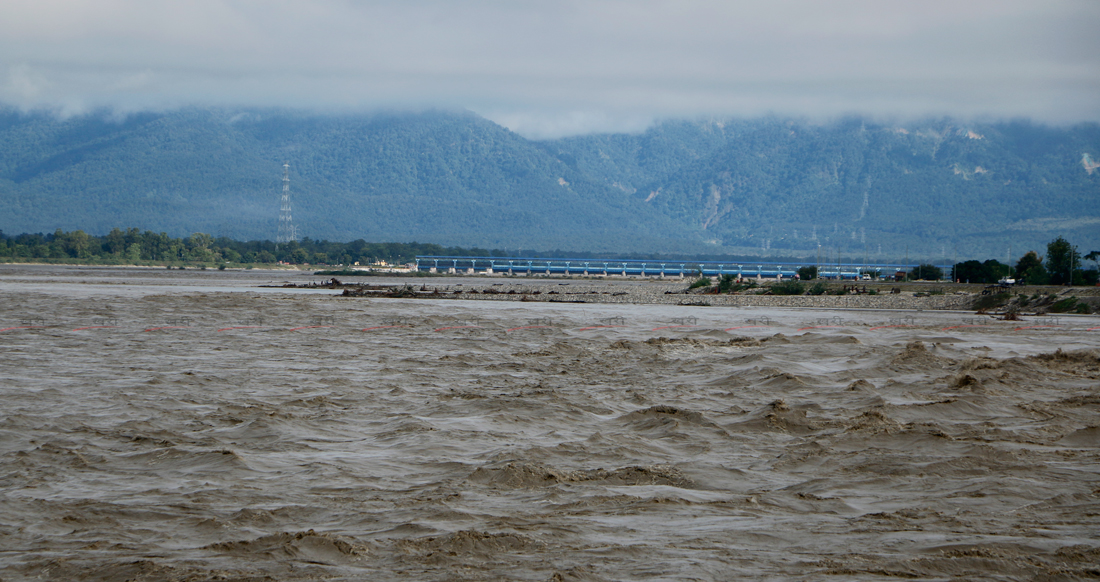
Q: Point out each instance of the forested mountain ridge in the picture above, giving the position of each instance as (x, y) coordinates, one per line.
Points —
(434, 176)
(772, 186)
(789, 185)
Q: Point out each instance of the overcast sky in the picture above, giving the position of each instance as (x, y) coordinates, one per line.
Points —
(551, 68)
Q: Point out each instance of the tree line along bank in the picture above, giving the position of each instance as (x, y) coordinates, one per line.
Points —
(1061, 264)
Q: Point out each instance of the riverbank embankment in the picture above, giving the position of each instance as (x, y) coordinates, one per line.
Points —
(673, 292)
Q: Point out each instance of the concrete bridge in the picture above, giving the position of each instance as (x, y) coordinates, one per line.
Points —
(643, 268)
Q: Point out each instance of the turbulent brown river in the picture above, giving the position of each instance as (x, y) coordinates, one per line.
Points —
(187, 425)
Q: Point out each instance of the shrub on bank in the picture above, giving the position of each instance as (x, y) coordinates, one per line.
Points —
(1066, 305)
(992, 301)
(788, 288)
(729, 284)
(700, 282)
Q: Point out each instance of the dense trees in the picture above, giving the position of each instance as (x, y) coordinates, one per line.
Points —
(988, 272)
(1030, 270)
(926, 272)
(133, 246)
(1062, 260)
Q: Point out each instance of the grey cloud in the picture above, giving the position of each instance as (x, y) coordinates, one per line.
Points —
(549, 68)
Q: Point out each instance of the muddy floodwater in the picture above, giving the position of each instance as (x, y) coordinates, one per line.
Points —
(169, 426)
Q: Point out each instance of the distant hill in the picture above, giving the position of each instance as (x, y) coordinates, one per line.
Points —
(765, 186)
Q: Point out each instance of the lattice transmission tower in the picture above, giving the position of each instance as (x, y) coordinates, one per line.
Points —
(287, 232)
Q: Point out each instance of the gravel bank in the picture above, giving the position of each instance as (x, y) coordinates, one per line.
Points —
(667, 293)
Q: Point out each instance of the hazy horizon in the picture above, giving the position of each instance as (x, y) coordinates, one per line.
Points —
(120, 115)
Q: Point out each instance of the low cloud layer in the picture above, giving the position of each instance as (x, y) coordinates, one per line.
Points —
(551, 68)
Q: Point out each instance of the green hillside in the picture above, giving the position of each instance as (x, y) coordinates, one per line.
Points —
(768, 186)
(782, 185)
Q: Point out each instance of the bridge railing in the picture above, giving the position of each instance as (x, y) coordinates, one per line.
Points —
(636, 267)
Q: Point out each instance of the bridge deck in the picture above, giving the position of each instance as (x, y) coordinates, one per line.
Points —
(644, 268)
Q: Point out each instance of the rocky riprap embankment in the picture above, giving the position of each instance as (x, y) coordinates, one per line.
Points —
(654, 292)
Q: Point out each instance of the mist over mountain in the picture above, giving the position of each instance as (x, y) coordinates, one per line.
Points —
(766, 186)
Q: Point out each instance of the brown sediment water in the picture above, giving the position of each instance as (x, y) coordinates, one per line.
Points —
(305, 436)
